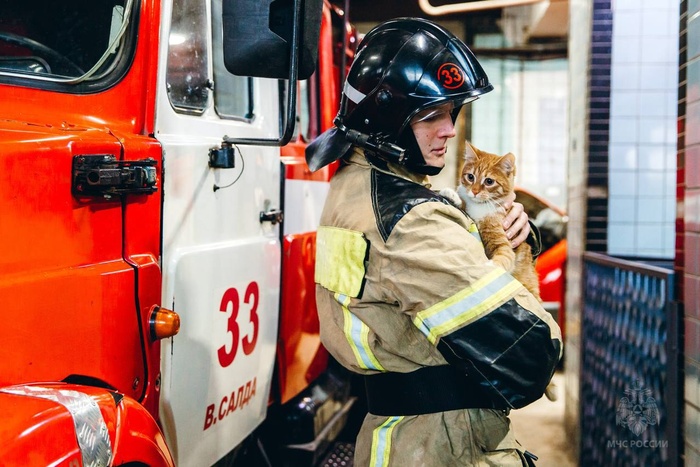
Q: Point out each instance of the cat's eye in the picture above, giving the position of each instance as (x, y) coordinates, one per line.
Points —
(470, 178)
(488, 181)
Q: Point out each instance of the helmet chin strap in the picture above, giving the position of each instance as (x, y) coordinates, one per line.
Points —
(384, 149)
(390, 152)
(414, 157)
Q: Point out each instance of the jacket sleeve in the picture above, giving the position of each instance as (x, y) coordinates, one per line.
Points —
(534, 240)
(476, 314)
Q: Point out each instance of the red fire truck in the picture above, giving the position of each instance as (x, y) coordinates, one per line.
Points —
(156, 248)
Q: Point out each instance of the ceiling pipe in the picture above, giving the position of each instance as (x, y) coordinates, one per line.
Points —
(470, 6)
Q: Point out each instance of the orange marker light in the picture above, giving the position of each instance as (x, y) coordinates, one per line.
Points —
(163, 323)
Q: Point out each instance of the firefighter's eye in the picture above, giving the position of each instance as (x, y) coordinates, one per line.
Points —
(488, 181)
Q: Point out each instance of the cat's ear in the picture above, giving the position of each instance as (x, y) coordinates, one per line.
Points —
(508, 163)
(469, 152)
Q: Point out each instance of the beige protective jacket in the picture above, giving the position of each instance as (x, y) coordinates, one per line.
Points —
(404, 285)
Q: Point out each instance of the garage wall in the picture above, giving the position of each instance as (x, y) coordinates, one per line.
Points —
(642, 144)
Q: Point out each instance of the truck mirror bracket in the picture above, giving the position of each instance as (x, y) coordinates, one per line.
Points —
(304, 32)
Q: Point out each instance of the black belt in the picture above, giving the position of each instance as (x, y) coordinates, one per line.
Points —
(430, 389)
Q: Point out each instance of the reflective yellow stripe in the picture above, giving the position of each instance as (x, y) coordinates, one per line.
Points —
(381, 442)
(357, 335)
(340, 260)
(487, 293)
(474, 230)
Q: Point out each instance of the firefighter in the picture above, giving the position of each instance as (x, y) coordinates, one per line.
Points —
(447, 342)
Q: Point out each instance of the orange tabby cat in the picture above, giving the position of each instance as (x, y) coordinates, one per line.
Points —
(486, 182)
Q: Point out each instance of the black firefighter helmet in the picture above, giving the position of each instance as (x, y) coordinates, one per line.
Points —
(402, 67)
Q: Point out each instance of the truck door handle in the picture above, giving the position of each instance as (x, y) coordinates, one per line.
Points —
(274, 215)
(104, 175)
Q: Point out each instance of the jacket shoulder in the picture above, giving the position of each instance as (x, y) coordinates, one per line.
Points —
(394, 197)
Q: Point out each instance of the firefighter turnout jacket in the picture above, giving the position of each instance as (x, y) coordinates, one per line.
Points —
(447, 341)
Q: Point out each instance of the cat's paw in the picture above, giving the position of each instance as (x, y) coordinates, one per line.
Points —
(451, 196)
(505, 260)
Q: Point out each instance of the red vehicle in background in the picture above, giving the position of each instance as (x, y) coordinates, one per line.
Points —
(551, 263)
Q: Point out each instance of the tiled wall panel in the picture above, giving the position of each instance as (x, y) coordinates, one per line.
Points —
(530, 120)
(642, 143)
(598, 131)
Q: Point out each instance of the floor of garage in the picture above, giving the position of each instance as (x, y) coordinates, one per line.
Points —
(540, 429)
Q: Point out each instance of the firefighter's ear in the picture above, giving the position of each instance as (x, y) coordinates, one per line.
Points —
(258, 37)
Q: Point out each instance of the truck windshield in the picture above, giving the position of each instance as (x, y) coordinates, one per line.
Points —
(66, 41)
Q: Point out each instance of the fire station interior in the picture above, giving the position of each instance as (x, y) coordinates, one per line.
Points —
(592, 98)
(600, 102)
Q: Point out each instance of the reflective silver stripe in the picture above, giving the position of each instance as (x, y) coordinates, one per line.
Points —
(353, 94)
(90, 427)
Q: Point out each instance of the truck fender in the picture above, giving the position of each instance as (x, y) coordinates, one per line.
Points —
(73, 425)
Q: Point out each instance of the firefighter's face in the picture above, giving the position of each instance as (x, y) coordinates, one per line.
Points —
(432, 128)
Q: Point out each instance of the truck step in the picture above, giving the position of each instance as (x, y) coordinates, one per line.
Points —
(340, 455)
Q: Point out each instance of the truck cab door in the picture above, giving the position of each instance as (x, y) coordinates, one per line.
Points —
(65, 262)
(221, 247)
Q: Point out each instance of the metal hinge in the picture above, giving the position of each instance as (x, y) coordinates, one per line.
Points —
(103, 175)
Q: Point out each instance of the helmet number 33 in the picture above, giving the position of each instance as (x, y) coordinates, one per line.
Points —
(450, 76)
